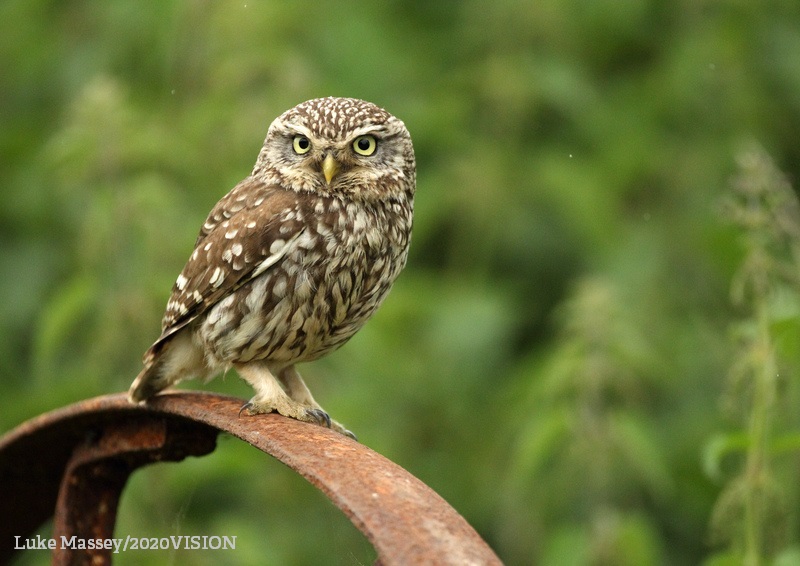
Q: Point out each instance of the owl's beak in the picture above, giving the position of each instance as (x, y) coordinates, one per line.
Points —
(330, 167)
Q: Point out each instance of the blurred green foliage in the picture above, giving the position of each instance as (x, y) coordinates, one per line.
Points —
(561, 360)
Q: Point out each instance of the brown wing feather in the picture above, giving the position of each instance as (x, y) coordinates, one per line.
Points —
(246, 228)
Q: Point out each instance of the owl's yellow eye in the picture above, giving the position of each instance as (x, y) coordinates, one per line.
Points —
(365, 145)
(301, 144)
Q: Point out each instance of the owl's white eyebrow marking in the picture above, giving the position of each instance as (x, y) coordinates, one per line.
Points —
(370, 129)
(298, 129)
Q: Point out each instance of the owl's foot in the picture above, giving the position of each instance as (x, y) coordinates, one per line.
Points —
(288, 409)
(294, 410)
(285, 394)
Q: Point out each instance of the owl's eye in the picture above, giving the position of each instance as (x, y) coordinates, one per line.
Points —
(365, 145)
(301, 145)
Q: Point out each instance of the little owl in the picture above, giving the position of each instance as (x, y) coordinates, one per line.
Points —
(294, 260)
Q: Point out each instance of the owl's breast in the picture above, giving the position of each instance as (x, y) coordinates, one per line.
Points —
(327, 286)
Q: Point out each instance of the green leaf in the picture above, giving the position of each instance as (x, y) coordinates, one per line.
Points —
(719, 446)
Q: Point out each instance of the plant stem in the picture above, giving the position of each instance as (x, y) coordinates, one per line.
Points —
(757, 463)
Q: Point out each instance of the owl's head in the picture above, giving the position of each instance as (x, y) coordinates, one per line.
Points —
(339, 146)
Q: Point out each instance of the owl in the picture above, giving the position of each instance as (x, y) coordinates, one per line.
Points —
(294, 259)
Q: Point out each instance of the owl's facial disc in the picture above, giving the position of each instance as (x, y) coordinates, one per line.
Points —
(330, 163)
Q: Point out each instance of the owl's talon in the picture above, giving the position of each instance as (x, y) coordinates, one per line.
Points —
(247, 407)
(253, 408)
(321, 417)
(337, 426)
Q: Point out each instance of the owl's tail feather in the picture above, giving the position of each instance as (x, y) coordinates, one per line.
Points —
(149, 382)
(166, 363)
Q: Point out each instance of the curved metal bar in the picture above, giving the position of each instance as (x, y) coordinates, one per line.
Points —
(101, 441)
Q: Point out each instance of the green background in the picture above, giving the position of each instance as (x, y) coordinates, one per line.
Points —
(556, 359)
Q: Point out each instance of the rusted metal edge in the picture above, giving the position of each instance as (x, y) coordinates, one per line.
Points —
(404, 519)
